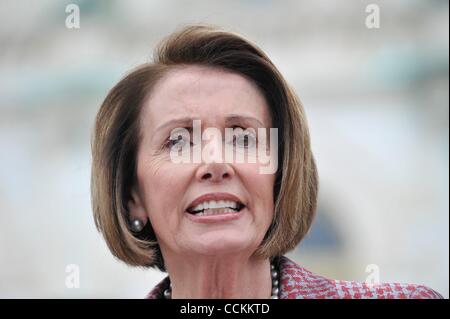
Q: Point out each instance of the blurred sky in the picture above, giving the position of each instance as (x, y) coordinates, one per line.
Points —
(376, 99)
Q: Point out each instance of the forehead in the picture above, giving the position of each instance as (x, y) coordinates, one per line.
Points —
(206, 93)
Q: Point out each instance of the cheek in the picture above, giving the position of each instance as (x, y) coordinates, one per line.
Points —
(260, 188)
(163, 184)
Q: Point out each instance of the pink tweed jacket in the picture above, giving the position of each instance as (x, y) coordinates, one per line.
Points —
(298, 283)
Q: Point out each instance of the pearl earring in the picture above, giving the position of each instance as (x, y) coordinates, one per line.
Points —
(137, 225)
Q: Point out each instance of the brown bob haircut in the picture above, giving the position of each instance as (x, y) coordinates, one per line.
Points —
(116, 136)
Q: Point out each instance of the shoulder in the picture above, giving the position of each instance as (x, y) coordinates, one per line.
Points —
(297, 282)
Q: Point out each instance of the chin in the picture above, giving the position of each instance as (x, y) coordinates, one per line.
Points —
(220, 246)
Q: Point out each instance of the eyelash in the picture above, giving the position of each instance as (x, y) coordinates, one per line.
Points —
(169, 142)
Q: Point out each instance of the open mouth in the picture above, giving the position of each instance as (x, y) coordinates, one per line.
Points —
(221, 207)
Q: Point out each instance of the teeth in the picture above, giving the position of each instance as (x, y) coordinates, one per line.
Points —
(221, 211)
(215, 205)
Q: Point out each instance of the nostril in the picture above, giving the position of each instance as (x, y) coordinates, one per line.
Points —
(207, 176)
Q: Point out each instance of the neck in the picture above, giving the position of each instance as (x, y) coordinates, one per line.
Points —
(220, 277)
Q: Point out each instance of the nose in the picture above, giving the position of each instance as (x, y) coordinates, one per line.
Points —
(214, 172)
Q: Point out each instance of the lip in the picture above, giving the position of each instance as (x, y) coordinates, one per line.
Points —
(215, 218)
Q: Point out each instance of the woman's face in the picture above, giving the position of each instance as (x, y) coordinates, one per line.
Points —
(166, 189)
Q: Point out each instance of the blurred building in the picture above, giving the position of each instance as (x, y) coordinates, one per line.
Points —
(376, 99)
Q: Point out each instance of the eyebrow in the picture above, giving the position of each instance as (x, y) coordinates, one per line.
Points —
(232, 118)
(181, 122)
(186, 122)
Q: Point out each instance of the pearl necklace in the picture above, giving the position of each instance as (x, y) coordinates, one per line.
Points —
(275, 285)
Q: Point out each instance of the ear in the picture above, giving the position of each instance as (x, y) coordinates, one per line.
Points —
(136, 208)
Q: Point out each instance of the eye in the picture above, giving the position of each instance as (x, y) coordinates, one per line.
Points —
(178, 142)
(244, 139)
